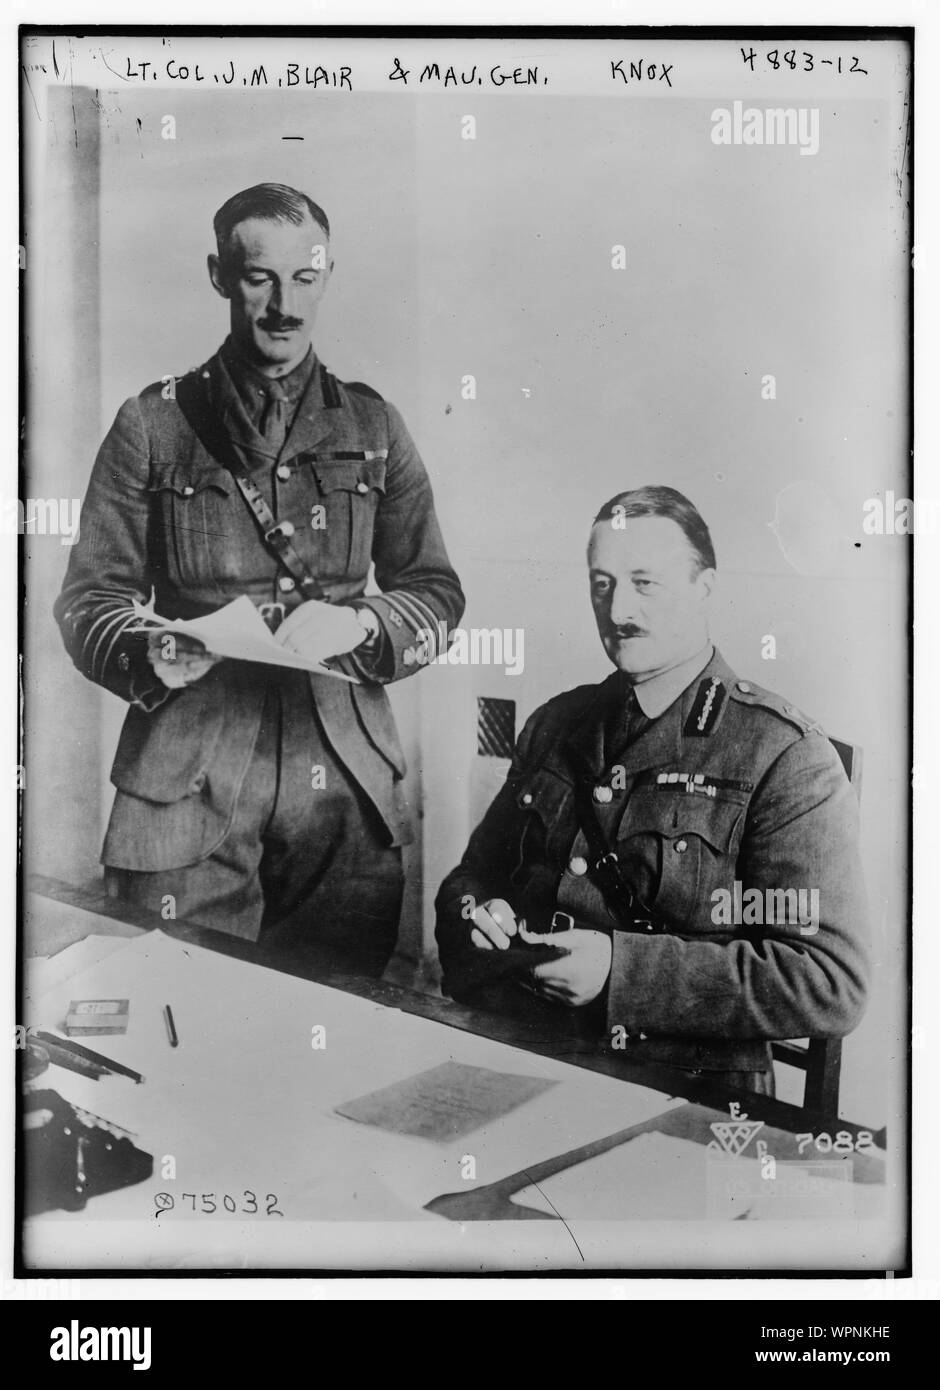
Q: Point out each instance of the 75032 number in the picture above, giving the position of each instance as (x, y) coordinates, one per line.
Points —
(210, 1203)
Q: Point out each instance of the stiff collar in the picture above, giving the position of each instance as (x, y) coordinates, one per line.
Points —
(657, 693)
(253, 385)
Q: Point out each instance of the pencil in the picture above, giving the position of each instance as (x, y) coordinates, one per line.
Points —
(85, 1054)
(170, 1025)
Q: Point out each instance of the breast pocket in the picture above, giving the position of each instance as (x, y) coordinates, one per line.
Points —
(193, 515)
(677, 849)
(351, 485)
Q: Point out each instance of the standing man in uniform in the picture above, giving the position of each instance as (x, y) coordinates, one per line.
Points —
(684, 840)
(261, 801)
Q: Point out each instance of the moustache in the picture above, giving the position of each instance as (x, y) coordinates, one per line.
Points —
(623, 634)
(279, 325)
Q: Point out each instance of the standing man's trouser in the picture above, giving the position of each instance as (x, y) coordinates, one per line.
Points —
(305, 867)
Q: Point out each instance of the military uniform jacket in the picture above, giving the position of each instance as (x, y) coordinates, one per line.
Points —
(163, 517)
(729, 789)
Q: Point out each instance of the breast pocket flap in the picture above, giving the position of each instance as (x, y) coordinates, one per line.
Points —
(185, 481)
(545, 795)
(677, 815)
(356, 473)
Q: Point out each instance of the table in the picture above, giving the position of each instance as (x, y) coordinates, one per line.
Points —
(592, 1163)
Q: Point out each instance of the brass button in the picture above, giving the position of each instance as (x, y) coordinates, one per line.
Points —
(578, 865)
(362, 488)
(527, 799)
(188, 491)
(681, 846)
(603, 794)
(124, 661)
(745, 686)
(286, 584)
(286, 528)
(283, 473)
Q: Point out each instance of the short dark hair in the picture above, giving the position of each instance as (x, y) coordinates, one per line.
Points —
(272, 202)
(667, 502)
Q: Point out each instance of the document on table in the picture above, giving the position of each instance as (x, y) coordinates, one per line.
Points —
(237, 630)
(43, 973)
(446, 1102)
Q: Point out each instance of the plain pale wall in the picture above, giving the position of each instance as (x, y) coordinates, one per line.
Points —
(63, 712)
(493, 258)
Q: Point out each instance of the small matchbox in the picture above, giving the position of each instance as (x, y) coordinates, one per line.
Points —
(88, 1018)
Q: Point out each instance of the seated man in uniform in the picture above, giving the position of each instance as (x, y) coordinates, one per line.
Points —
(688, 839)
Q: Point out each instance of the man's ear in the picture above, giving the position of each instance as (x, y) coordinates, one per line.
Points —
(706, 580)
(215, 275)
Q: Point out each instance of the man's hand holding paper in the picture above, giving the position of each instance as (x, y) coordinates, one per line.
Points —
(318, 631)
(238, 630)
(177, 659)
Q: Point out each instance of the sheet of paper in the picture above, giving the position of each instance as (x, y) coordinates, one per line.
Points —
(656, 1177)
(42, 973)
(800, 1191)
(237, 630)
(446, 1102)
(45, 973)
(652, 1177)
